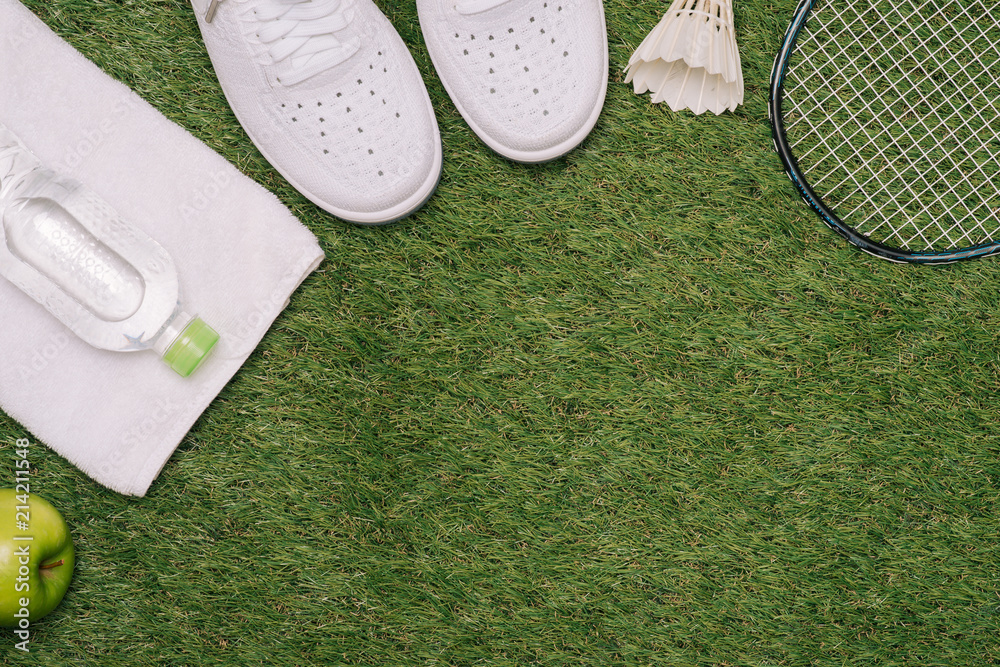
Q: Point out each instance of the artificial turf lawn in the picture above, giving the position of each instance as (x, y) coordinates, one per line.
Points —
(636, 406)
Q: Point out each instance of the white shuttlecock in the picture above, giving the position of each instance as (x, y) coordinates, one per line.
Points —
(690, 59)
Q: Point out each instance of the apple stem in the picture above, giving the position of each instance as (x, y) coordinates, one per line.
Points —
(50, 565)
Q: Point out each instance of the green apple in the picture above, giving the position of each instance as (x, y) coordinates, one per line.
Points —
(36, 558)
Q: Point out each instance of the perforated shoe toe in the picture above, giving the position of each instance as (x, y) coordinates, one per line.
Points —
(528, 76)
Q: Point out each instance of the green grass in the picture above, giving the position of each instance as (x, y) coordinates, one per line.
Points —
(633, 407)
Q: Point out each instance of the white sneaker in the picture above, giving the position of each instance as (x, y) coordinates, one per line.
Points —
(528, 76)
(329, 93)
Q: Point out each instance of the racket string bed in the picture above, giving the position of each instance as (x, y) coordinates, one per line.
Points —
(886, 112)
(871, 142)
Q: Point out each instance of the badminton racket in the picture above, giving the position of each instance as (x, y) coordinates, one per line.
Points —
(885, 115)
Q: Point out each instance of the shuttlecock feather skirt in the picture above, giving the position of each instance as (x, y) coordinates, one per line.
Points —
(690, 60)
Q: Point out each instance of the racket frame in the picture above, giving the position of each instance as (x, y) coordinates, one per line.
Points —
(798, 178)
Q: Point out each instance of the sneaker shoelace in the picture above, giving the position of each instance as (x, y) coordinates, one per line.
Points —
(301, 35)
(467, 7)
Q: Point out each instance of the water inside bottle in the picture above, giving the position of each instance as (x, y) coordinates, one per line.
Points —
(46, 236)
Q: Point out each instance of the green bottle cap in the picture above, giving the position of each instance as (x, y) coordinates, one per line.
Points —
(191, 348)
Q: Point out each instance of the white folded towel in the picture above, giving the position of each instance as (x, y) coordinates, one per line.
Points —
(239, 255)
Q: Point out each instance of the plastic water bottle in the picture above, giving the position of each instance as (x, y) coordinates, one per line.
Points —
(106, 280)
